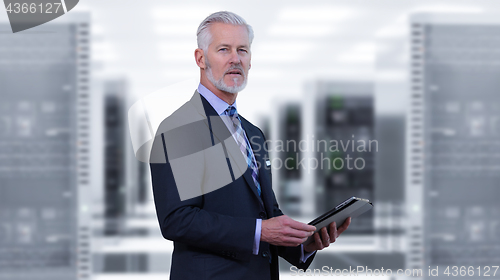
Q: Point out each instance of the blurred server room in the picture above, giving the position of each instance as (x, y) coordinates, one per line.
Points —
(410, 86)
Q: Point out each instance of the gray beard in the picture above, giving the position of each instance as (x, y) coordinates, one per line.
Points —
(220, 85)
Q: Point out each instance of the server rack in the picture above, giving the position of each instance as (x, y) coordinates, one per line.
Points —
(453, 137)
(45, 151)
(287, 148)
(115, 200)
(344, 146)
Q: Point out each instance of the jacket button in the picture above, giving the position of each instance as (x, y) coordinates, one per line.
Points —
(262, 215)
(265, 254)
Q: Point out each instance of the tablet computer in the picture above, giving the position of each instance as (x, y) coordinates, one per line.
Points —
(352, 207)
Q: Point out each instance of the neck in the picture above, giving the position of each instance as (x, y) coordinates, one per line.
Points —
(228, 97)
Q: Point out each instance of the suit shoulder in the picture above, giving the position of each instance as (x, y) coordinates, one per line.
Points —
(182, 116)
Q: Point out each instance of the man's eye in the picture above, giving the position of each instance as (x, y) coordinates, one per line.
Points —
(243, 50)
(223, 49)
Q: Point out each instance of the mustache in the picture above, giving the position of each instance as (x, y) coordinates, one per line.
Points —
(236, 67)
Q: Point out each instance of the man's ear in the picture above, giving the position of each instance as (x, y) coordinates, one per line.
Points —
(199, 56)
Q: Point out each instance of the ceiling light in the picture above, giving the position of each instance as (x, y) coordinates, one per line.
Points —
(282, 46)
(303, 30)
(187, 13)
(314, 14)
(177, 29)
(177, 46)
(275, 58)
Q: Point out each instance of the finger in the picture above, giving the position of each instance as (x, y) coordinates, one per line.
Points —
(301, 226)
(345, 225)
(325, 238)
(293, 242)
(297, 233)
(317, 241)
(335, 233)
(333, 227)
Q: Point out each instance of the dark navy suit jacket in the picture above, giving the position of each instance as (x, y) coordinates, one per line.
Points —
(213, 234)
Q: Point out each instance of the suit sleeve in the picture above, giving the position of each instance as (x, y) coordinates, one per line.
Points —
(290, 254)
(187, 222)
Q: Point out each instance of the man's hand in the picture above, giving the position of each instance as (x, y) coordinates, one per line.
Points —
(284, 231)
(326, 239)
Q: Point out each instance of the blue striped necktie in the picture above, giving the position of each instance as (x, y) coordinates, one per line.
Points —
(245, 148)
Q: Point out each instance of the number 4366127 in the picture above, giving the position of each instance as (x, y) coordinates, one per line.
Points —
(471, 271)
(31, 8)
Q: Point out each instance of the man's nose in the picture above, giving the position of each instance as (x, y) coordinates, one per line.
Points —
(235, 58)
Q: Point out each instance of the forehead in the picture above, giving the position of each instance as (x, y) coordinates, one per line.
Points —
(229, 34)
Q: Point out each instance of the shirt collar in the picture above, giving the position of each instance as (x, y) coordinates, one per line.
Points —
(218, 104)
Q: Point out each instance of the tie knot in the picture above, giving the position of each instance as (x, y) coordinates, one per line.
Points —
(231, 111)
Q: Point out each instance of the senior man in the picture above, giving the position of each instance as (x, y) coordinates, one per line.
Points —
(235, 231)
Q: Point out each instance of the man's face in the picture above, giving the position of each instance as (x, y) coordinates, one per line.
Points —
(228, 57)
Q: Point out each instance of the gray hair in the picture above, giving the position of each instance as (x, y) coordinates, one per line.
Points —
(203, 34)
